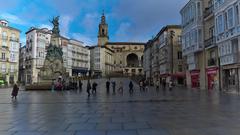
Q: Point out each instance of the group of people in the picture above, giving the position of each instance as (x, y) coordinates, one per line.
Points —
(92, 87)
(164, 84)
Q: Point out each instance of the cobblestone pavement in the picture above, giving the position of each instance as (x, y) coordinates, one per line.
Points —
(182, 112)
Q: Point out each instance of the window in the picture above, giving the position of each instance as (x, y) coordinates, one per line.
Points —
(212, 54)
(3, 68)
(179, 55)
(230, 18)
(3, 56)
(220, 24)
(237, 14)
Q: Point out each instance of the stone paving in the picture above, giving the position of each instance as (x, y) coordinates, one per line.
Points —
(182, 112)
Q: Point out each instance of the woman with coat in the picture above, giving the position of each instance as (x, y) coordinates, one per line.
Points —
(15, 91)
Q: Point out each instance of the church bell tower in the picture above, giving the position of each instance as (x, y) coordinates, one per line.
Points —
(103, 31)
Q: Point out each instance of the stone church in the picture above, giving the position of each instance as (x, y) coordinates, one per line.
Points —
(127, 56)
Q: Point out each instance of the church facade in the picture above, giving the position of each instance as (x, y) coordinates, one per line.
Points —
(124, 58)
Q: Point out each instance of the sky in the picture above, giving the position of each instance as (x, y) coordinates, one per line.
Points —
(128, 20)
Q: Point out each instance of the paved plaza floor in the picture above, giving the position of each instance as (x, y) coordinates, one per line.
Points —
(182, 112)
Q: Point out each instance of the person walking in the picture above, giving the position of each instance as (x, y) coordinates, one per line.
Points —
(107, 86)
(15, 91)
(88, 87)
(131, 87)
(170, 85)
(114, 86)
(80, 85)
(157, 85)
(94, 88)
(141, 85)
(164, 84)
(120, 89)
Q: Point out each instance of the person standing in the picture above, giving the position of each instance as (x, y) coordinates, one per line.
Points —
(114, 86)
(107, 86)
(141, 85)
(94, 88)
(131, 87)
(170, 85)
(88, 87)
(157, 85)
(15, 91)
(164, 84)
(80, 85)
(120, 89)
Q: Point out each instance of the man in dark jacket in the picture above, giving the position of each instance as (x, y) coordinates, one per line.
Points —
(94, 88)
(107, 86)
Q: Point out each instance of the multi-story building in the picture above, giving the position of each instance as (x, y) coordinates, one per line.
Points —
(164, 56)
(211, 49)
(22, 65)
(37, 40)
(147, 60)
(227, 26)
(76, 57)
(9, 52)
(125, 57)
(101, 61)
(193, 43)
(170, 60)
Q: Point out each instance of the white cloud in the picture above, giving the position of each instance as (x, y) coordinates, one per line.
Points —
(87, 40)
(65, 21)
(90, 21)
(122, 31)
(13, 19)
(45, 26)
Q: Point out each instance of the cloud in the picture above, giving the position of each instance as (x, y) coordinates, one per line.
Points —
(90, 21)
(84, 38)
(13, 19)
(65, 21)
(147, 17)
(45, 26)
(121, 33)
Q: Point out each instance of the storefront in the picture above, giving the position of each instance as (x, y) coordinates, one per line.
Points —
(230, 79)
(179, 78)
(212, 77)
(195, 78)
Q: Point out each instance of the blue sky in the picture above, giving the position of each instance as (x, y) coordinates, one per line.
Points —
(128, 20)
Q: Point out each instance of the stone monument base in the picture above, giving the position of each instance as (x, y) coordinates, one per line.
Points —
(41, 86)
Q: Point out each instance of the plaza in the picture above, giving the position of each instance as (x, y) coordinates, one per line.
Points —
(181, 112)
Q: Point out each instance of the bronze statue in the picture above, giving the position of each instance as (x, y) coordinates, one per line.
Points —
(55, 23)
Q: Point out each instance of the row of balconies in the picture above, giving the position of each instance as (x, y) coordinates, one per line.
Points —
(14, 39)
(210, 42)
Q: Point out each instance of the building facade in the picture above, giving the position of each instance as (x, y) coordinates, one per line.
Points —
(211, 49)
(227, 33)
(164, 55)
(9, 50)
(101, 61)
(22, 65)
(76, 57)
(121, 58)
(193, 43)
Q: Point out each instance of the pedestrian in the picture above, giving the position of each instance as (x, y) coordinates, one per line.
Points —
(141, 85)
(94, 88)
(107, 86)
(120, 89)
(88, 87)
(53, 85)
(131, 87)
(157, 85)
(114, 86)
(170, 85)
(164, 84)
(80, 85)
(15, 91)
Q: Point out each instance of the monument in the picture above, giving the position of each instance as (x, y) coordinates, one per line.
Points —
(53, 70)
(53, 67)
